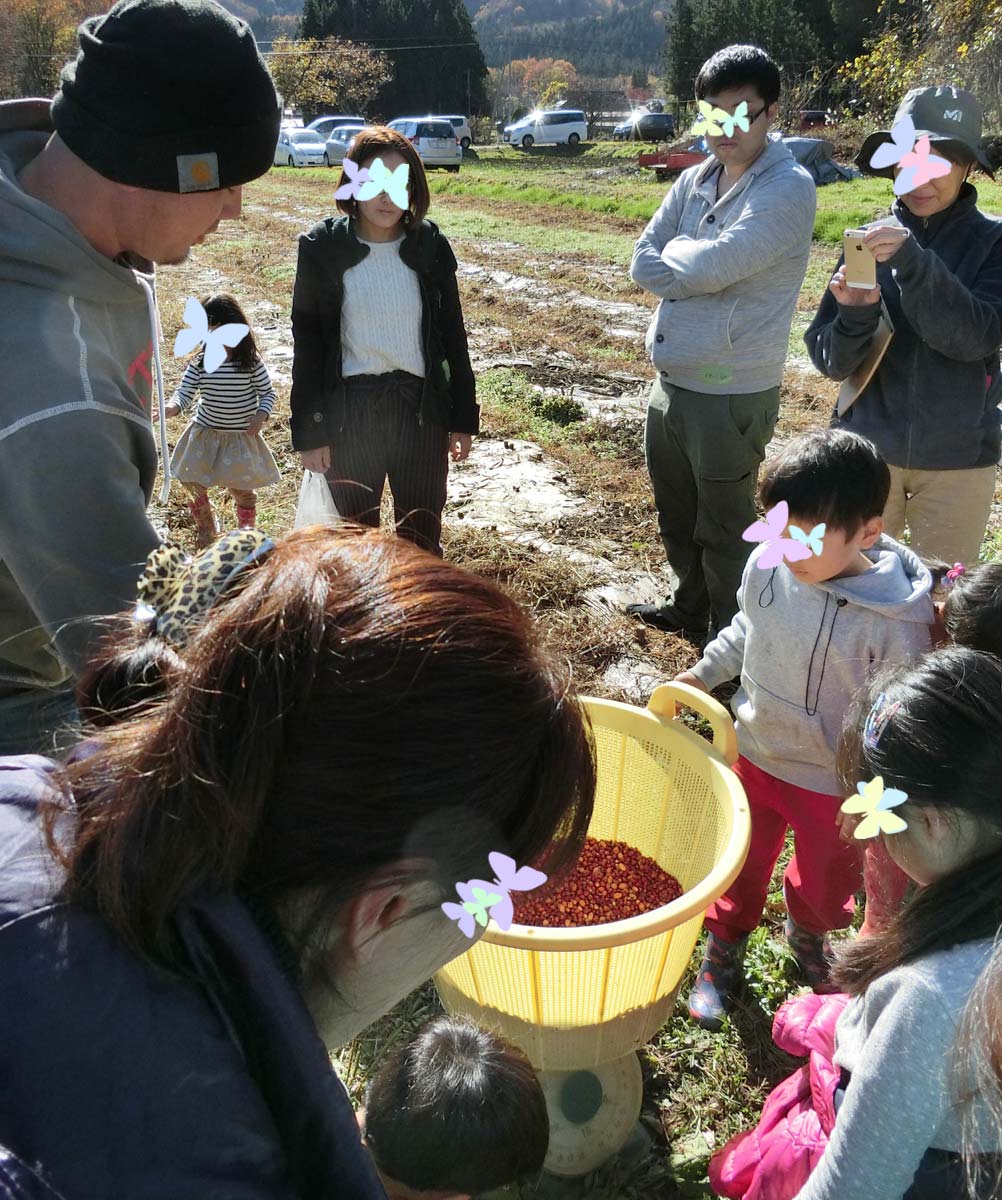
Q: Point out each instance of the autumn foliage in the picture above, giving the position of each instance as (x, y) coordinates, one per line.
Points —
(37, 37)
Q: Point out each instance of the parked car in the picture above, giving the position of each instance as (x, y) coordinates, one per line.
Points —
(645, 126)
(339, 141)
(561, 125)
(324, 125)
(810, 118)
(433, 138)
(462, 128)
(299, 148)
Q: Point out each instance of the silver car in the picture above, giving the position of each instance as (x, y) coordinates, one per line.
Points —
(434, 139)
(339, 142)
(299, 148)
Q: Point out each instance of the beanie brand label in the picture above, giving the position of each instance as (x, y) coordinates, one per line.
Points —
(197, 172)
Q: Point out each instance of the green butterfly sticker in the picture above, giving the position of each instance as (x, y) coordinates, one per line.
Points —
(481, 902)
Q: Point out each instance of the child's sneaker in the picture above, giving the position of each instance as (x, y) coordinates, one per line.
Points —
(246, 517)
(719, 975)
(813, 953)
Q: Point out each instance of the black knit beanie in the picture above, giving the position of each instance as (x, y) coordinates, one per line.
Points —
(171, 95)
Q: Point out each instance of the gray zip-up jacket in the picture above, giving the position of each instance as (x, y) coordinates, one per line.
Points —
(804, 650)
(933, 403)
(728, 273)
(77, 455)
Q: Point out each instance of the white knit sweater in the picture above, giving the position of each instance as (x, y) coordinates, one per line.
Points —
(381, 317)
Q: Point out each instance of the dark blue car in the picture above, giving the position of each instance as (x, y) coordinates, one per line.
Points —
(646, 127)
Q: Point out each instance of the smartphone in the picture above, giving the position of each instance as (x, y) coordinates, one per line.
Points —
(860, 265)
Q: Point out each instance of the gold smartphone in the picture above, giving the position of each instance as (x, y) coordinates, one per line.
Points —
(860, 265)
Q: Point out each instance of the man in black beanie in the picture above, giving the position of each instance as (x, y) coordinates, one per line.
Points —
(166, 112)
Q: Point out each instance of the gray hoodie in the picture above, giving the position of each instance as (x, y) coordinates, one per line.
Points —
(77, 455)
(728, 273)
(804, 650)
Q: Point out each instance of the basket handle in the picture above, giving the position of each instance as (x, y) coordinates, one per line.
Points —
(665, 701)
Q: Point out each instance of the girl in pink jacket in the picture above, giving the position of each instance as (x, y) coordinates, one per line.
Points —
(879, 1110)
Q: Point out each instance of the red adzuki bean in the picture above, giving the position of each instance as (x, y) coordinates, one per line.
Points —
(610, 882)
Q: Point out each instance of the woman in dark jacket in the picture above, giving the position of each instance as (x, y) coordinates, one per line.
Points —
(932, 406)
(382, 387)
(192, 908)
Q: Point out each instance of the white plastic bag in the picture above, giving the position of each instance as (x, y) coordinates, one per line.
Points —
(316, 505)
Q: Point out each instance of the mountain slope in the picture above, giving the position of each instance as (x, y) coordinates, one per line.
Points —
(602, 37)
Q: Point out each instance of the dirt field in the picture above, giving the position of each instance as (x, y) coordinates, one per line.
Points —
(554, 503)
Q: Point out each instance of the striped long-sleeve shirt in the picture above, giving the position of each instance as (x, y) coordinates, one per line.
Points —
(228, 397)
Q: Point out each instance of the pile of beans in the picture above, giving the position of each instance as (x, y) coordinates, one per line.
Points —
(610, 882)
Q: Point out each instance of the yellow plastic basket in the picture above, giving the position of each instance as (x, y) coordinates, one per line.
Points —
(576, 998)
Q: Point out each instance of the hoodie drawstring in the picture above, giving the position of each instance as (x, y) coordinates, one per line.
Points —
(151, 305)
(811, 707)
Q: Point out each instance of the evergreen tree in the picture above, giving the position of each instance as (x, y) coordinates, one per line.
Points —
(438, 66)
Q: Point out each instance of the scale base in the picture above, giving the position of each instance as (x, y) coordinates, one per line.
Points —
(592, 1114)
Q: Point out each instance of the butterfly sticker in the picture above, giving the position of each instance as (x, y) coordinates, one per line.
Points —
(876, 803)
(919, 167)
(216, 341)
(356, 177)
(770, 531)
(739, 118)
(709, 120)
(482, 899)
(382, 179)
(813, 540)
(918, 164)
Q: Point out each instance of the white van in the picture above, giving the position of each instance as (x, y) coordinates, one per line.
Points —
(556, 127)
(462, 128)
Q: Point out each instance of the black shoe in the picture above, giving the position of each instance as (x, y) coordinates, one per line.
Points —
(664, 617)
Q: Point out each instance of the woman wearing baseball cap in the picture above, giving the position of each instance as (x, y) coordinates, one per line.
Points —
(932, 405)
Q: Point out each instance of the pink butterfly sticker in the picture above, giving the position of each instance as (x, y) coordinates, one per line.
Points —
(777, 547)
(919, 166)
(357, 176)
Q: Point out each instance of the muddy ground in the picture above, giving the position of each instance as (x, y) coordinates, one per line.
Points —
(573, 501)
(553, 503)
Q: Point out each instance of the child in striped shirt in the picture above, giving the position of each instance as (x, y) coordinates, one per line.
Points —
(223, 446)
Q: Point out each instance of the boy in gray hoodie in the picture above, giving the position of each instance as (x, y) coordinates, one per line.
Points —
(726, 254)
(808, 634)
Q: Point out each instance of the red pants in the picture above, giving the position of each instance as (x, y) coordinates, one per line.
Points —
(885, 885)
(822, 876)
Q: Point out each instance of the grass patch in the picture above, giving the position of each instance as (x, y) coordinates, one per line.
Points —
(527, 192)
(513, 407)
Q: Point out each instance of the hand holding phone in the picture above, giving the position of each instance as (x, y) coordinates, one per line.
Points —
(860, 265)
(884, 241)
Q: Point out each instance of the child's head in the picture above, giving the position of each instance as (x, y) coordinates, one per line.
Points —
(836, 478)
(130, 670)
(379, 141)
(456, 1112)
(972, 612)
(931, 729)
(223, 309)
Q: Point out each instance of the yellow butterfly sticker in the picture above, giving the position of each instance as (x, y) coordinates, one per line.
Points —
(876, 802)
(709, 120)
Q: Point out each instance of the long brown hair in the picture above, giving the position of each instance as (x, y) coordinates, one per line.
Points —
(223, 309)
(941, 746)
(355, 704)
(376, 140)
(977, 1076)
